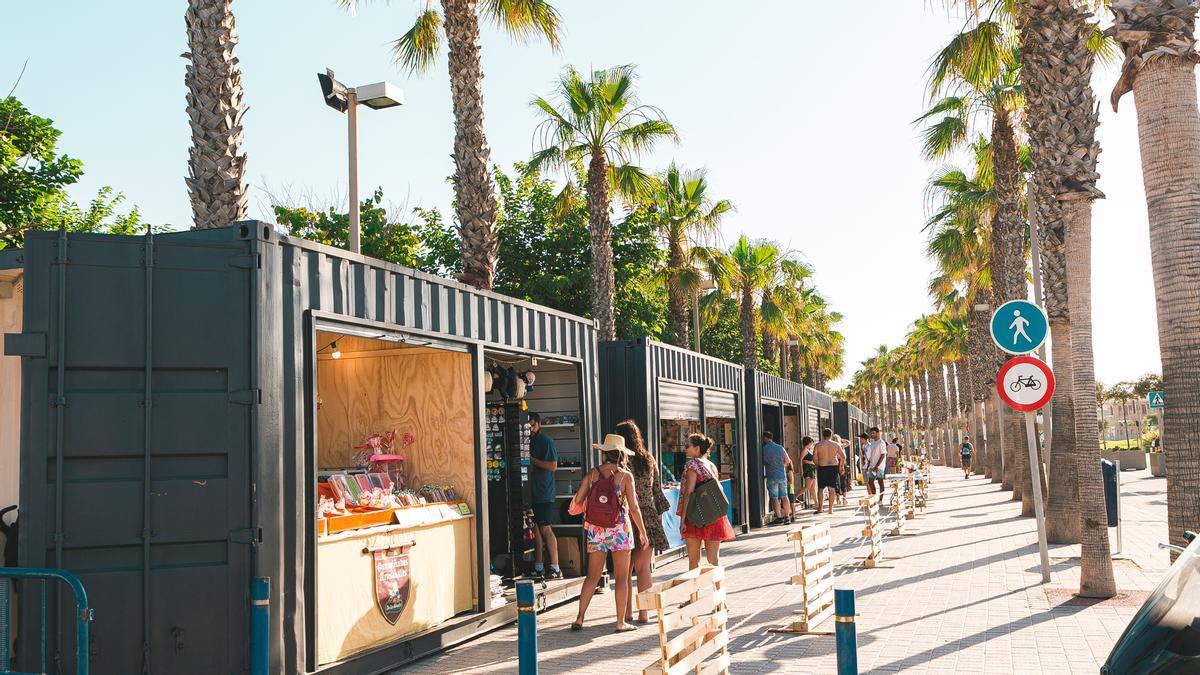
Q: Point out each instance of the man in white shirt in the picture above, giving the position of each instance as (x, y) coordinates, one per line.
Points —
(876, 455)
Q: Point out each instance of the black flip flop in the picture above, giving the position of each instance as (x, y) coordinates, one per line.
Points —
(576, 627)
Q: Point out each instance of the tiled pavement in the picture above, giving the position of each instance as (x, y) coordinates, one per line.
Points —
(963, 594)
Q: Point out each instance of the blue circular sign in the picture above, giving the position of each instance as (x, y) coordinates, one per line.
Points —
(1019, 327)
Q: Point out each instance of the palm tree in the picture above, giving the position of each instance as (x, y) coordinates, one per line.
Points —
(759, 277)
(458, 25)
(982, 65)
(216, 178)
(959, 241)
(1158, 38)
(600, 122)
(681, 209)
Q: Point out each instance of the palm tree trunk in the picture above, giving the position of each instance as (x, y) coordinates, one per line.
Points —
(749, 312)
(677, 296)
(474, 191)
(795, 363)
(1168, 134)
(216, 163)
(768, 347)
(1095, 573)
(600, 232)
(1062, 512)
(982, 359)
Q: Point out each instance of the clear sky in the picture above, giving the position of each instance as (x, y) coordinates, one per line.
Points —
(801, 112)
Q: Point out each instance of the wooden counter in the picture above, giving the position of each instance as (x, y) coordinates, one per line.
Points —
(442, 584)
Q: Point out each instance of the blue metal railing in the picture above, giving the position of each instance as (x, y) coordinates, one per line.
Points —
(83, 614)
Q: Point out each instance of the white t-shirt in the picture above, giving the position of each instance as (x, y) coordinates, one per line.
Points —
(876, 451)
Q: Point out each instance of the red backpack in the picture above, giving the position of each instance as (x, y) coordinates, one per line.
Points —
(603, 504)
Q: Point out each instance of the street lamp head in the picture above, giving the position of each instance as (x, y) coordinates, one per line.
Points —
(380, 95)
(335, 93)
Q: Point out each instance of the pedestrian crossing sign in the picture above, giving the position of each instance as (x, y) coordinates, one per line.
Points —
(1156, 400)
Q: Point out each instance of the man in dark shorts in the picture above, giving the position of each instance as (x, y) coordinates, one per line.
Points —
(966, 451)
(829, 458)
(543, 460)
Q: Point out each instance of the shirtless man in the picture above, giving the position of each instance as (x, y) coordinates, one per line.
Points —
(829, 458)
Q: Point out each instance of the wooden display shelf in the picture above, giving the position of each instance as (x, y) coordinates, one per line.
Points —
(365, 519)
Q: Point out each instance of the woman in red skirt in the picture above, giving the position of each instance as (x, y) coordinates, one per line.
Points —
(696, 472)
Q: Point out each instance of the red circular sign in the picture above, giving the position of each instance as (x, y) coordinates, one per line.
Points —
(1025, 383)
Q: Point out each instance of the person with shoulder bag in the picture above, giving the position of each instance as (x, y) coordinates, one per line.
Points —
(608, 500)
(703, 505)
(647, 480)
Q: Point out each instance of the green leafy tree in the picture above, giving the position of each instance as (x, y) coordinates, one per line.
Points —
(426, 244)
(33, 174)
(33, 181)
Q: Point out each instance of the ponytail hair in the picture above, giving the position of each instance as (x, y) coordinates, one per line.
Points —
(700, 441)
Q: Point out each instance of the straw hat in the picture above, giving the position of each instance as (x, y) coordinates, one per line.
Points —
(612, 442)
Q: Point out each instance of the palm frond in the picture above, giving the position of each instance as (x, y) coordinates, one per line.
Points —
(524, 20)
(417, 50)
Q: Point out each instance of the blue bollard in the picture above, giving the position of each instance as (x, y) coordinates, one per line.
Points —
(844, 631)
(527, 651)
(260, 622)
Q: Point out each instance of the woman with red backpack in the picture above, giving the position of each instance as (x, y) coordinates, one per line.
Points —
(608, 499)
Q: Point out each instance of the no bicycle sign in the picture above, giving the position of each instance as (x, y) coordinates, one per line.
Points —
(1025, 383)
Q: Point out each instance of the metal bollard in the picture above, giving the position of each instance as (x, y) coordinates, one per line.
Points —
(260, 621)
(527, 651)
(845, 633)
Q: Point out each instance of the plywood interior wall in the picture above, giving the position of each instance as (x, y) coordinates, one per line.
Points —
(379, 386)
(791, 433)
(11, 301)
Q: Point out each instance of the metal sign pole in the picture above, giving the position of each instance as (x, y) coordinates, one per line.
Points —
(1038, 510)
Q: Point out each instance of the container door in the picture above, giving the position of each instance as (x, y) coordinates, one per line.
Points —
(151, 503)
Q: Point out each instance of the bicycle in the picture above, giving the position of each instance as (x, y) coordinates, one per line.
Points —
(1025, 382)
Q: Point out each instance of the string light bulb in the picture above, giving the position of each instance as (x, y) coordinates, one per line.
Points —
(337, 354)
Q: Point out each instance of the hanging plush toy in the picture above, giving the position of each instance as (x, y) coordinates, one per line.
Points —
(528, 377)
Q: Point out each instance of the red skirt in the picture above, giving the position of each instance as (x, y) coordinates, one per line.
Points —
(717, 530)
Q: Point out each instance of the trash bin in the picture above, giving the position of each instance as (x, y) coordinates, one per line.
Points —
(1109, 471)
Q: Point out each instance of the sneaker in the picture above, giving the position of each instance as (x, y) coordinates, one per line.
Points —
(554, 574)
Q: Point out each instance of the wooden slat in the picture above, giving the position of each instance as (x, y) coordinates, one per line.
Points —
(820, 618)
(815, 559)
(720, 665)
(703, 651)
(685, 639)
(684, 616)
(683, 592)
(817, 544)
(819, 588)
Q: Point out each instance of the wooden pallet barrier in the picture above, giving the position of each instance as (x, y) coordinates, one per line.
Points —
(692, 614)
(814, 575)
(910, 496)
(873, 531)
(899, 509)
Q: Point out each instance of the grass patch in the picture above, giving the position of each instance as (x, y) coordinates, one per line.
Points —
(1132, 444)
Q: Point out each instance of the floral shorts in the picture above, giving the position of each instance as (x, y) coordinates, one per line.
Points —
(619, 537)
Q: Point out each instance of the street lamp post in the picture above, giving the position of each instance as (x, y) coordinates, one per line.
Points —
(377, 96)
(704, 285)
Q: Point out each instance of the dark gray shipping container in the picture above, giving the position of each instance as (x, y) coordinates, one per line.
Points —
(168, 452)
(820, 411)
(848, 422)
(645, 380)
(768, 398)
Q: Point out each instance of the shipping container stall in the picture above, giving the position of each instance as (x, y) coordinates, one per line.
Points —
(670, 393)
(203, 408)
(772, 404)
(848, 422)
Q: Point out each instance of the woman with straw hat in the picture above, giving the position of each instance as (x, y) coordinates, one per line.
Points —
(608, 499)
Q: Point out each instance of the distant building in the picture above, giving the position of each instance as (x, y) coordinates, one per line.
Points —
(1124, 415)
